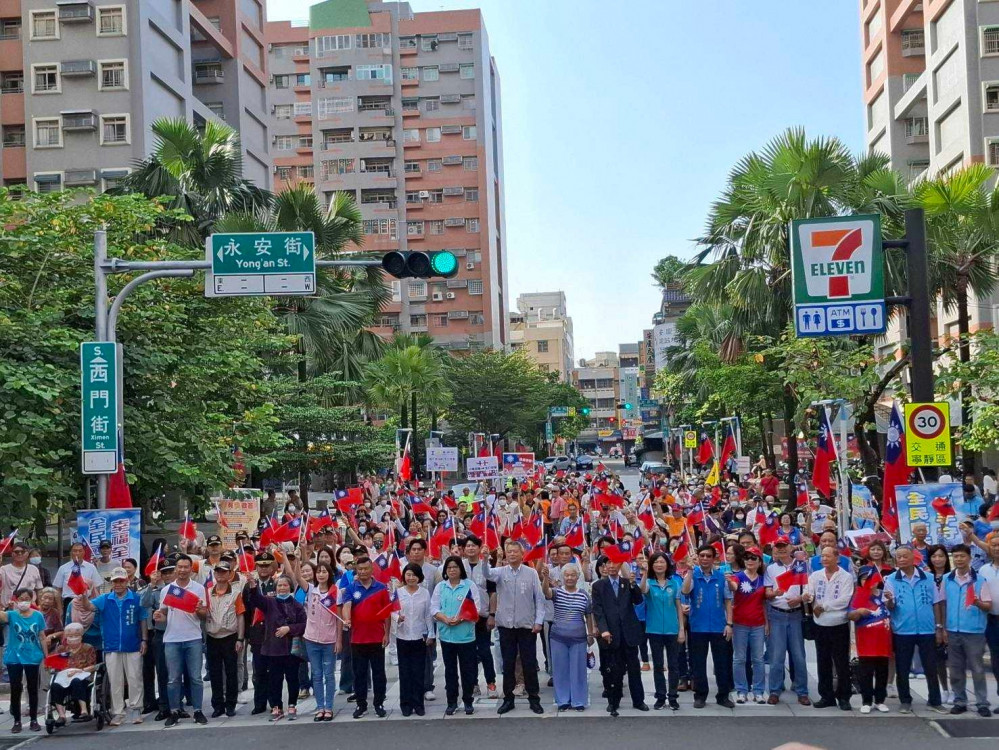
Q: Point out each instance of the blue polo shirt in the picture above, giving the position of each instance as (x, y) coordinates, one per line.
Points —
(914, 600)
(707, 601)
(121, 619)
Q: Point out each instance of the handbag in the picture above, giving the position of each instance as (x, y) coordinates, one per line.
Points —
(298, 648)
(808, 630)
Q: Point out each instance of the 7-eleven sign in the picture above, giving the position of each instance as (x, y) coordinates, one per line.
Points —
(837, 259)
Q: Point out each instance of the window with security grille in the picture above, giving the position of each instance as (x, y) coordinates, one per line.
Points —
(475, 286)
(48, 133)
(283, 111)
(113, 75)
(110, 21)
(114, 129)
(471, 163)
(990, 40)
(334, 105)
(44, 25)
(331, 167)
(46, 78)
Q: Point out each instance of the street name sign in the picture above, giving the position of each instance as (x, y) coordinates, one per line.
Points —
(558, 411)
(927, 434)
(99, 407)
(837, 267)
(261, 263)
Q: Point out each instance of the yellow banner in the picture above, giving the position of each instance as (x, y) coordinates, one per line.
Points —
(713, 475)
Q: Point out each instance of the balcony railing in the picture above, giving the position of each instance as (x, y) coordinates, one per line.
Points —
(82, 12)
(209, 76)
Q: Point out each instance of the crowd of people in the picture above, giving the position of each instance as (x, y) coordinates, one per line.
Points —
(543, 578)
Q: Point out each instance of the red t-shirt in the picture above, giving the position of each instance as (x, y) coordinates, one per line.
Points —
(770, 485)
(748, 601)
(874, 639)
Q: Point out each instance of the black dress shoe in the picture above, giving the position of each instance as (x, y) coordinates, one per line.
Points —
(983, 711)
(957, 710)
(161, 716)
(726, 702)
(845, 706)
(698, 703)
(580, 708)
(407, 711)
(380, 712)
(218, 712)
(449, 711)
(823, 703)
(536, 707)
(614, 713)
(659, 704)
(419, 711)
(611, 707)
(230, 712)
(258, 710)
(505, 707)
(640, 707)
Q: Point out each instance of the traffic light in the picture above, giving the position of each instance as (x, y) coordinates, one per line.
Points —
(420, 264)
(626, 405)
(586, 411)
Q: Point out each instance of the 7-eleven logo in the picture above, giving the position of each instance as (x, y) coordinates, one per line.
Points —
(837, 258)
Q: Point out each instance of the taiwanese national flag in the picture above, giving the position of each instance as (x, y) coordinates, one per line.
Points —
(728, 446)
(516, 530)
(684, 548)
(719, 545)
(696, 515)
(615, 529)
(289, 531)
(329, 600)
(154, 561)
(406, 467)
(445, 533)
(57, 662)
(621, 552)
(348, 500)
(574, 536)
(187, 529)
(969, 594)
(320, 522)
(645, 515)
(491, 538)
(796, 575)
(825, 454)
(478, 524)
(801, 499)
(76, 581)
(706, 450)
(943, 506)
(387, 567)
(468, 611)
(896, 469)
(270, 528)
(608, 500)
(537, 551)
(7, 541)
(993, 511)
(534, 529)
(245, 562)
(88, 551)
(393, 606)
(770, 530)
(119, 493)
(677, 450)
(419, 506)
(182, 599)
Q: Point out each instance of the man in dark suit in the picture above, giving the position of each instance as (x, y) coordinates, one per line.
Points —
(614, 600)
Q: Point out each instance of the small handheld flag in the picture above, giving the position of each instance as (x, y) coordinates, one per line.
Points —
(7, 542)
(796, 575)
(57, 662)
(76, 582)
(154, 561)
(468, 611)
(182, 599)
(187, 529)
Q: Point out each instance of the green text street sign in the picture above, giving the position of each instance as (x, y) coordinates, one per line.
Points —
(261, 263)
(558, 411)
(549, 434)
(99, 409)
(837, 264)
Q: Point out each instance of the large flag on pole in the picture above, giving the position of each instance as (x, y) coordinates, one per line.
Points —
(706, 450)
(896, 469)
(119, 494)
(729, 447)
(405, 462)
(825, 454)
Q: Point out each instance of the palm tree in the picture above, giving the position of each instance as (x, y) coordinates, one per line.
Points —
(331, 324)
(746, 240)
(962, 220)
(200, 170)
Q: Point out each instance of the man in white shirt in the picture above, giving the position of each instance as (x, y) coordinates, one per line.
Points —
(830, 591)
(989, 573)
(87, 571)
(182, 640)
(18, 574)
(105, 566)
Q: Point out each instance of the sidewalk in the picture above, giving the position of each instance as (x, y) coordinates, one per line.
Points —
(486, 707)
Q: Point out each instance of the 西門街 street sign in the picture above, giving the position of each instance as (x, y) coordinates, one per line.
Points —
(261, 263)
(927, 434)
(99, 410)
(837, 264)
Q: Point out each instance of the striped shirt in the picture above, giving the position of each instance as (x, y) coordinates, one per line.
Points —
(570, 607)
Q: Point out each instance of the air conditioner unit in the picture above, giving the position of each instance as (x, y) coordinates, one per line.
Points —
(424, 195)
(437, 297)
(469, 266)
(451, 295)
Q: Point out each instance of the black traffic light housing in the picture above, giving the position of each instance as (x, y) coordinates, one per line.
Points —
(420, 264)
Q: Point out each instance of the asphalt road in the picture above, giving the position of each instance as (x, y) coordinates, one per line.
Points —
(511, 733)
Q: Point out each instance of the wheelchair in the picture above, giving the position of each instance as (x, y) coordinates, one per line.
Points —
(98, 705)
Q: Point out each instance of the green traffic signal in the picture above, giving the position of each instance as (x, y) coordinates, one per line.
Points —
(627, 406)
(420, 264)
(443, 263)
(586, 411)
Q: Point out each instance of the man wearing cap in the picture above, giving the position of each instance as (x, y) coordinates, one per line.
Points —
(105, 565)
(77, 562)
(123, 630)
(18, 574)
(224, 628)
(206, 568)
(785, 615)
(266, 572)
(150, 600)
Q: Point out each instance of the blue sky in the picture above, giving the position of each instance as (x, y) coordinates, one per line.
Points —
(622, 119)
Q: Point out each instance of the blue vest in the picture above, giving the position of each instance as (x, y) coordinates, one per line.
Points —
(962, 619)
(121, 621)
(913, 612)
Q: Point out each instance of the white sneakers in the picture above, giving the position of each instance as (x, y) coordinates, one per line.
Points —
(881, 707)
(430, 695)
(865, 709)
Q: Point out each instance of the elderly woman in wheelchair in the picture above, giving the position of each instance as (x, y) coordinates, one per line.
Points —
(74, 668)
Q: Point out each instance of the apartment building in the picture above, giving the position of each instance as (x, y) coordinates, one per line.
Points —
(402, 110)
(599, 381)
(82, 81)
(931, 92)
(542, 328)
(630, 392)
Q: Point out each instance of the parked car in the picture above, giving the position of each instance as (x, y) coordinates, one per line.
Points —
(584, 462)
(650, 469)
(559, 463)
(631, 459)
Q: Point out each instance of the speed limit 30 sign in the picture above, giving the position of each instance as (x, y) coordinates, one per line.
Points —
(927, 434)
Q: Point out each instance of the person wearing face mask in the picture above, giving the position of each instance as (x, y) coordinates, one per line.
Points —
(72, 684)
(26, 648)
(35, 558)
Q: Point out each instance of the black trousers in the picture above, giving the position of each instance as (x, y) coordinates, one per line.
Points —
(623, 659)
(19, 673)
(369, 656)
(832, 650)
(658, 644)
(721, 656)
(149, 678)
(161, 694)
(77, 692)
(872, 675)
(522, 642)
(283, 669)
(905, 646)
(221, 656)
(261, 678)
(483, 648)
(412, 655)
(459, 658)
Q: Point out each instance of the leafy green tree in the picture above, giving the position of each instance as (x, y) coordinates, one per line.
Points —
(200, 172)
(192, 366)
(981, 371)
(668, 270)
